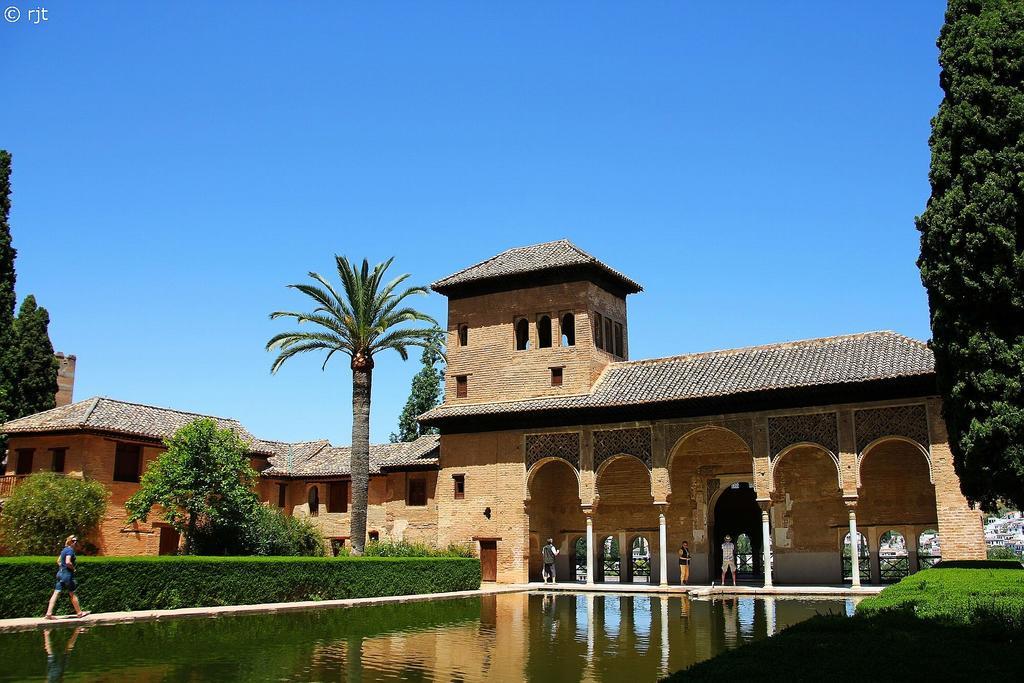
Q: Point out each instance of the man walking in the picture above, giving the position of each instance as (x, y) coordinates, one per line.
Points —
(684, 563)
(66, 568)
(728, 559)
(548, 553)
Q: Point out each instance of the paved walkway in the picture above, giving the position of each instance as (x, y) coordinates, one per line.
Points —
(33, 623)
(704, 591)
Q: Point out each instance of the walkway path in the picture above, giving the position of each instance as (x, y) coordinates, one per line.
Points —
(33, 623)
(704, 591)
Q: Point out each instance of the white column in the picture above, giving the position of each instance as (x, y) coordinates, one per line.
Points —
(662, 551)
(590, 551)
(854, 548)
(769, 614)
(767, 548)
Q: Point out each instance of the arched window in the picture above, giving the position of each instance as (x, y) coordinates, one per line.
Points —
(463, 335)
(611, 568)
(580, 559)
(640, 560)
(522, 334)
(314, 501)
(893, 559)
(744, 554)
(598, 331)
(544, 332)
(568, 330)
(863, 559)
(929, 553)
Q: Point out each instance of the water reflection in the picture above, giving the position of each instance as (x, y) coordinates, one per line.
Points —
(536, 637)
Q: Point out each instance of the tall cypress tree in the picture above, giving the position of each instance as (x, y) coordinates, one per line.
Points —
(424, 395)
(972, 245)
(7, 300)
(36, 365)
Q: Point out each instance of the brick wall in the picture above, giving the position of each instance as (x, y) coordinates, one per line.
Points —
(497, 371)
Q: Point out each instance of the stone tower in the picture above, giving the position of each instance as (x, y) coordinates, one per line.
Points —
(65, 379)
(536, 321)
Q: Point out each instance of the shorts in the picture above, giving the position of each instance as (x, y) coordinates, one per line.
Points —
(66, 582)
(729, 564)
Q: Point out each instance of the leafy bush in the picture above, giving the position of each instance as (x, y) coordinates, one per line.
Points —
(406, 549)
(975, 597)
(271, 532)
(131, 583)
(46, 508)
(1000, 552)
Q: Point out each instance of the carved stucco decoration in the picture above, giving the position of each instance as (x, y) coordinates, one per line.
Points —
(713, 485)
(610, 442)
(907, 421)
(820, 428)
(743, 428)
(564, 445)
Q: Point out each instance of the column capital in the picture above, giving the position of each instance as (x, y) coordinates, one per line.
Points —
(765, 504)
(850, 501)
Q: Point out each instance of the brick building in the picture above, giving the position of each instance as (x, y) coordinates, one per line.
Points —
(548, 430)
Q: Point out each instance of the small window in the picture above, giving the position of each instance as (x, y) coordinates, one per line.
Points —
(618, 340)
(556, 377)
(25, 457)
(59, 456)
(568, 330)
(314, 501)
(460, 486)
(608, 335)
(598, 331)
(463, 335)
(522, 334)
(127, 462)
(336, 545)
(544, 332)
(417, 493)
(374, 536)
(337, 496)
(461, 386)
(282, 493)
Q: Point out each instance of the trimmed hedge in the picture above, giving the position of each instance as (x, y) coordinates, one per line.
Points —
(110, 584)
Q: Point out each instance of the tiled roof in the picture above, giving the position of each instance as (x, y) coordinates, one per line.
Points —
(802, 364)
(320, 459)
(534, 258)
(120, 417)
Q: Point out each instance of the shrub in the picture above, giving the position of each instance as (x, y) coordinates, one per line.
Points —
(406, 549)
(132, 583)
(46, 508)
(271, 532)
(1002, 553)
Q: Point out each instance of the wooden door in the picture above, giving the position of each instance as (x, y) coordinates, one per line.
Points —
(168, 540)
(489, 560)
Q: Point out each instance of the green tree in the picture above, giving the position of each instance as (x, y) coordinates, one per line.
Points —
(424, 395)
(972, 245)
(46, 508)
(203, 484)
(360, 322)
(7, 300)
(1001, 552)
(36, 366)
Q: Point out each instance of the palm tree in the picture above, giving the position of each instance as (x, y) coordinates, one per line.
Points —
(360, 322)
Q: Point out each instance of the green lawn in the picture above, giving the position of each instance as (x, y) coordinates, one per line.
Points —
(955, 623)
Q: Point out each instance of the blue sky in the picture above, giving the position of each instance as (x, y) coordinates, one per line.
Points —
(756, 166)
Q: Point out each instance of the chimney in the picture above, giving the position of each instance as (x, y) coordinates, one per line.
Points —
(65, 379)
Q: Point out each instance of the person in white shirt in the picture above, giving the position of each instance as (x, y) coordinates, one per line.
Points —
(728, 559)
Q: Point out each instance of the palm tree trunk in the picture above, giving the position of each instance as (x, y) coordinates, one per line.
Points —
(360, 462)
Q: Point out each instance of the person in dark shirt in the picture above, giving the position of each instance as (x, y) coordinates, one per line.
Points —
(66, 578)
(684, 563)
(548, 554)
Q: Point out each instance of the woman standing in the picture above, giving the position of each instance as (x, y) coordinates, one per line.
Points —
(66, 578)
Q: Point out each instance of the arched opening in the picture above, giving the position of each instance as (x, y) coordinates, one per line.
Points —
(579, 559)
(640, 560)
(807, 509)
(522, 334)
(611, 564)
(893, 559)
(744, 555)
(313, 500)
(703, 462)
(598, 331)
(544, 332)
(737, 512)
(929, 552)
(555, 512)
(568, 330)
(863, 559)
(463, 335)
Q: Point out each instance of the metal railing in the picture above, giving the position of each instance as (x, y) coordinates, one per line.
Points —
(928, 561)
(8, 482)
(744, 563)
(864, 566)
(612, 568)
(893, 569)
(641, 568)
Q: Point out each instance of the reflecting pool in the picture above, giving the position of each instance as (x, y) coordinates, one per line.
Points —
(507, 637)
